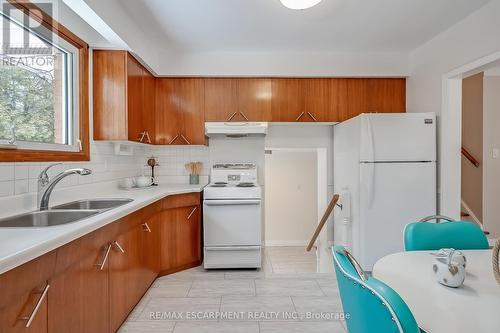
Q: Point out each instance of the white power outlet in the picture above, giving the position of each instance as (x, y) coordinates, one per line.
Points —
(495, 153)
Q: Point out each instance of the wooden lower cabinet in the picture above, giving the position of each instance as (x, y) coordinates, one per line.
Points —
(181, 238)
(78, 301)
(89, 291)
(21, 290)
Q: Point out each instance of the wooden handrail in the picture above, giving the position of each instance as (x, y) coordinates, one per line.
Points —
(471, 158)
(321, 224)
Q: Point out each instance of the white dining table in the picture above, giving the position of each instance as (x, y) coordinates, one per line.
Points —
(472, 308)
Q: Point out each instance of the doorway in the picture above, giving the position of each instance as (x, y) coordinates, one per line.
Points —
(469, 148)
(295, 199)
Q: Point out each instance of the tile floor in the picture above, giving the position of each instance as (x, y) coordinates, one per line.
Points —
(286, 295)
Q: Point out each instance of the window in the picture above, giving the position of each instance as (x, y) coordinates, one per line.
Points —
(43, 86)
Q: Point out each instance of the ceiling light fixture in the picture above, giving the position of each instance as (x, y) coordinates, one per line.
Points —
(299, 4)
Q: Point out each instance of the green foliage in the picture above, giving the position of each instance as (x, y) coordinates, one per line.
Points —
(26, 104)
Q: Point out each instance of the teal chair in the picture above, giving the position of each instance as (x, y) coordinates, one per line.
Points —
(370, 305)
(460, 235)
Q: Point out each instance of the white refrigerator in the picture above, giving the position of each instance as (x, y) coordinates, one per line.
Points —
(385, 170)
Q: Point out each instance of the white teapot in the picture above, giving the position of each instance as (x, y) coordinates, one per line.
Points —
(449, 267)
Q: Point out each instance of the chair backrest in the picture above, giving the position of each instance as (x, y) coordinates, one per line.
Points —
(460, 235)
(369, 304)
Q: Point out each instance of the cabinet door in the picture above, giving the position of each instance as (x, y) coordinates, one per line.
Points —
(168, 240)
(168, 120)
(357, 98)
(387, 95)
(287, 100)
(24, 307)
(124, 276)
(134, 98)
(254, 99)
(110, 95)
(190, 95)
(149, 102)
(21, 289)
(318, 100)
(188, 231)
(78, 297)
(150, 251)
(221, 99)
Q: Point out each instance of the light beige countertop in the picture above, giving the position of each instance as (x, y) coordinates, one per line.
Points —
(20, 245)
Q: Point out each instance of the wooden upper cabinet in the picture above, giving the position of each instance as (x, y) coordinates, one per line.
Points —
(221, 99)
(287, 100)
(357, 98)
(135, 86)
(190, 103)
(254, 99)
(386, 95)
(123, 97)
(180, 111)
(110, 95)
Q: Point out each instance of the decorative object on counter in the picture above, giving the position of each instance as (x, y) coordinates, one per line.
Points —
(496, 262)
(449, 267)
(142, 181)
(194, 169)
(153, 162)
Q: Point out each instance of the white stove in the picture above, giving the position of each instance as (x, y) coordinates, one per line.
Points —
(232, 217)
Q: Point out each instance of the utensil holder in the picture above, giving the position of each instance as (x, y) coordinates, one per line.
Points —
(194, 179)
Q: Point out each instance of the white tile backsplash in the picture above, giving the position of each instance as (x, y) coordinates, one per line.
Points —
(21, 178)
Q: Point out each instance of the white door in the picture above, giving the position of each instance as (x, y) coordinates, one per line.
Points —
(391, 196)
(398, 137)
(232, 222)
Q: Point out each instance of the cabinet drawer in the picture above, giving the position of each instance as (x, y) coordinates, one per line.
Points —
(181, 200)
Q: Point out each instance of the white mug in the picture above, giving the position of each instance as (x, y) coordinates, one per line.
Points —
(143, 181)
(127, 183)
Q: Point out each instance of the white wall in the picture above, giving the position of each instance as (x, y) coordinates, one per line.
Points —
(284, 64)
(474, 37)
(291, 198)
(491, 165)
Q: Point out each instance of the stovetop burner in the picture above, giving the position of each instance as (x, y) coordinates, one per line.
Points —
(219, 184)
(245, 185)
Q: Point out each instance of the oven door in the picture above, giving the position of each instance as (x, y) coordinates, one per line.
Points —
(235, 222)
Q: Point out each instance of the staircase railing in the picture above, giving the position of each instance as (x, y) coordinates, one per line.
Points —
(323, 221)
(470, 158)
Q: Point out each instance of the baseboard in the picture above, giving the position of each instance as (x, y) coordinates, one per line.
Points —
(471, 213)
(180, 268)
(286, 243)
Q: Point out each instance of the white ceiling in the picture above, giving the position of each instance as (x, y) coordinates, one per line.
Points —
(266, 26)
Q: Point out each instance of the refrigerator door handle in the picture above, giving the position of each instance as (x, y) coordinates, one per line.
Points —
(368, 129)
(370, 184)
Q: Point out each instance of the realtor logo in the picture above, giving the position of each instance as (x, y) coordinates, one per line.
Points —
(24, 34)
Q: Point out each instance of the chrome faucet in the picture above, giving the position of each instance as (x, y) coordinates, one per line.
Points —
(46, 185)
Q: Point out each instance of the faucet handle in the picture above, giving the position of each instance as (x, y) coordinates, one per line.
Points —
(43, 178)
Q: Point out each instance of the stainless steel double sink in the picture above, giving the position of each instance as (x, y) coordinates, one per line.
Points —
(62, 214)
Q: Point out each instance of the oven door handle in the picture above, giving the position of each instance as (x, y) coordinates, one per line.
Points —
(231, 248)
(231, 202)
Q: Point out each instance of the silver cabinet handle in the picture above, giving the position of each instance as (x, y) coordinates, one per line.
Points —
(243, 115)
(300, 116)
(143, 135)
(118, 246)
(192, 212)
(146, 227)
(173, 140)
(232, 116)
(312, 116)
(105, 258)
(184, 138)
(32, 316)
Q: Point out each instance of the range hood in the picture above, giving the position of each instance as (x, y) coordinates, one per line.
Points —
(236, 129)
